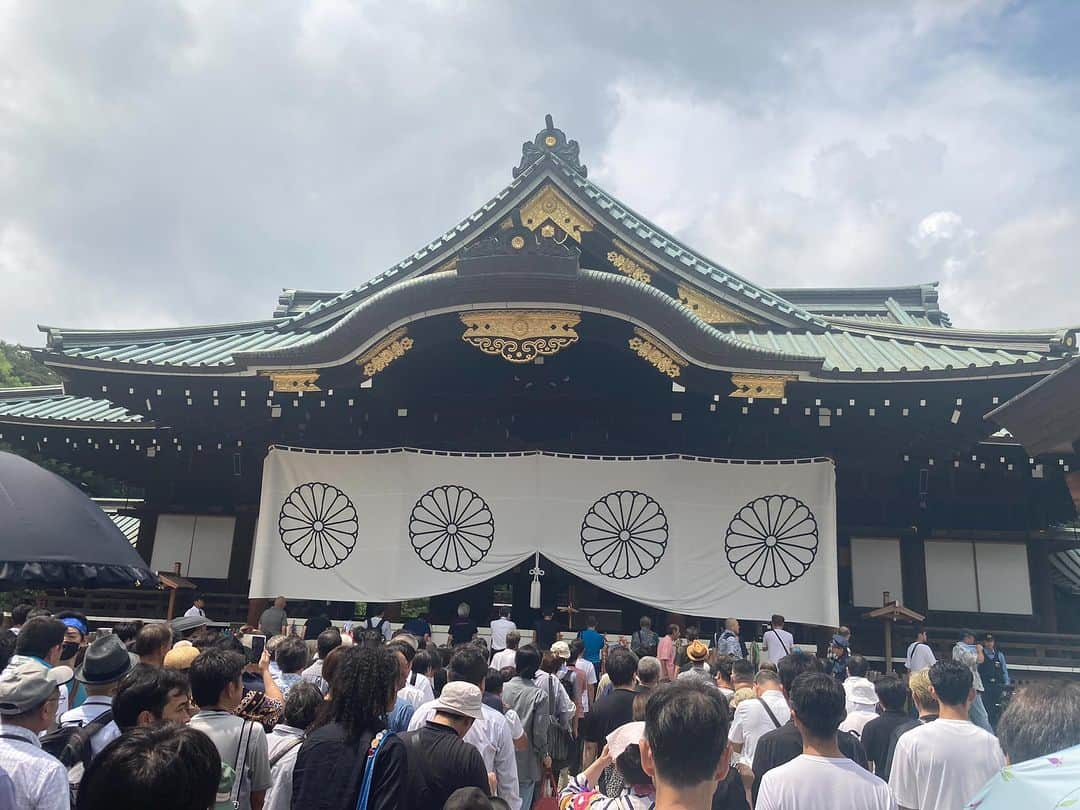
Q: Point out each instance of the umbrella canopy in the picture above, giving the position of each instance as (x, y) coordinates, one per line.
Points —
(52, 535)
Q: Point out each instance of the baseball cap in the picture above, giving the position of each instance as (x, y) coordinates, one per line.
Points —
(26, 683)
(461, 698)
(839, 641)
(560, 649)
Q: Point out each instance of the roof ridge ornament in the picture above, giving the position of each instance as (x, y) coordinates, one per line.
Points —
(553, 141)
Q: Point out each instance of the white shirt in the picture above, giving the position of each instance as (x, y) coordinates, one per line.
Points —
(87, 713)
(40, 780)
(279, 794)
(517, 730)
(499, 629)
(919, 656)
(492, 738)
(564, 704)
(752, 722)
(590, 680)
(856, 720)
(195, 611)
(824, 783)
(942, 765)
(412, 695)
(777, 643)
(423, 683)
(372, 623)
(313, 675)
(503, 658)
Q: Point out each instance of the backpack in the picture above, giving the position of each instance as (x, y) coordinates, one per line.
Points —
(644, 642)
(71, 745)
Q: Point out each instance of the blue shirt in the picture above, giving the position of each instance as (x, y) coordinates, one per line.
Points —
(594, 643)
(418, 627)
(1039, 784)
(399, 718)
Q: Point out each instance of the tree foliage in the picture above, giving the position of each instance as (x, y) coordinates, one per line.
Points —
(19, 369)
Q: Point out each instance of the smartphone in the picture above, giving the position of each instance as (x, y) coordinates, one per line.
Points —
(258, 644)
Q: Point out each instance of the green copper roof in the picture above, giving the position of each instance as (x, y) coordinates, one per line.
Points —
(49, 405)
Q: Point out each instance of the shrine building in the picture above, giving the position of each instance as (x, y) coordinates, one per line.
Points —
(556, 318)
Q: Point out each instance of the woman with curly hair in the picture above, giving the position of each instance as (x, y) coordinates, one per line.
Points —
(349, 745)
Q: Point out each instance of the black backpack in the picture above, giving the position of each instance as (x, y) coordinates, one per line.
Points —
(71, 745)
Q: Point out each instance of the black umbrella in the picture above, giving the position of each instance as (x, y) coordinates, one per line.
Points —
(52, 535)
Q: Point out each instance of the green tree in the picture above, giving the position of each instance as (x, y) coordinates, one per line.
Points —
(18, 369)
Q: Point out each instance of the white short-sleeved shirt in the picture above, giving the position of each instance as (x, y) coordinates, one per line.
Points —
(856, 721)
(919, 656)
(503, 658)
(195, 611)
(40, 781)
(777, 643)
(491, 736)
(590, 680)
(752, 722)
(943, 764)
(87, 713)
(499, 629)
(823, 783)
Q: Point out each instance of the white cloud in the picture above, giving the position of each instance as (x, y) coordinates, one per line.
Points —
(179, 161)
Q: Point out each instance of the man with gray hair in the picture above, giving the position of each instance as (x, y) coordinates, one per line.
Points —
(648, 673)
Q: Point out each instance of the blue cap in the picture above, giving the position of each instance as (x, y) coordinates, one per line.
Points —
(839, 641)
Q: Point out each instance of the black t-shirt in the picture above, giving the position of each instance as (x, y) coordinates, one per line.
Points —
(440, 760)
(875, 738)
(462, 631)
(547, 630)
(316, 625)
(785, 743)
(611, 711)
(329, 771)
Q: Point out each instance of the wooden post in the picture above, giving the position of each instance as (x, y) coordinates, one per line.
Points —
(172, 596)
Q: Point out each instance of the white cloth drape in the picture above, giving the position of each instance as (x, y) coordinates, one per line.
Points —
(704, 537)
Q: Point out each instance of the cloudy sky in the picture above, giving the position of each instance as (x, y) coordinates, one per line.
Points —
(171, 162)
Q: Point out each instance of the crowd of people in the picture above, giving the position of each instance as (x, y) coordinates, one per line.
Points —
(184, 717)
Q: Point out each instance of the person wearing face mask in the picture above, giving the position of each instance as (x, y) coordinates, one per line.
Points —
(75, 635)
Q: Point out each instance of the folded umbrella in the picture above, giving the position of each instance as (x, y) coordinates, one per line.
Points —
(53, 536)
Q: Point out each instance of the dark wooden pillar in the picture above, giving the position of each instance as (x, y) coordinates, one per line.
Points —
(243, 544)
(1042, 586)
(913, 571)
(144, 545)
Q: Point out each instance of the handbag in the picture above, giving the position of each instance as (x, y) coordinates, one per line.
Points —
(547, 792)
(559, 743)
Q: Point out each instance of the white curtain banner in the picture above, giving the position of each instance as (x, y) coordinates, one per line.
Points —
(704, 537)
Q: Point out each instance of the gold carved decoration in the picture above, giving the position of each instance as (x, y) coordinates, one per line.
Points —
(760, 386)
(293, 381)
(709, 309)
(520, 336)
(655, 352)
(629, 264)
(385, 352)
(549, 205)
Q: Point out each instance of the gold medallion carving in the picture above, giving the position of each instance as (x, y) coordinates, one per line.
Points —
(653, 351)
(709, 309)
(294, 381)
(760, 386)
(630, 264)
(385, 352)
(550, 206)
(520, 336)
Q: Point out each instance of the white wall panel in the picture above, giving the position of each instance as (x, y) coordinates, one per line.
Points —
(202, 544)
(1004, 584)
(172, 542)
(950, 576)
(875, 568)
